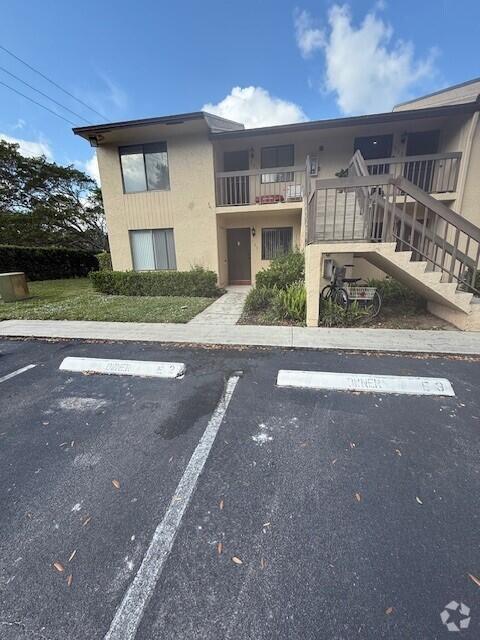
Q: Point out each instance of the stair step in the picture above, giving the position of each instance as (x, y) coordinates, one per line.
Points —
(402, 257)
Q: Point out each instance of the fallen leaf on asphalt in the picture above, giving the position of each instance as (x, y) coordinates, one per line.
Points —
(398, 452)
(474, 579)
(418, 500)
(358, 497)
(58, 566)
(69, 580)
(72, 555)
(263, 563)
(116, 484)
(236, 560)
(389, 611)
(221, 505)
(220, 548)
(86, 521)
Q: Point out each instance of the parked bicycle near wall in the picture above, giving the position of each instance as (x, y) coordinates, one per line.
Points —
(345, 291)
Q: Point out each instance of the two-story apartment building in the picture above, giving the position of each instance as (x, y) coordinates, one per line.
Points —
(196, 189)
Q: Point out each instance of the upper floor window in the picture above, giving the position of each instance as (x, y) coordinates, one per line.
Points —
(374, 147)
(145, 167)
(280, 156)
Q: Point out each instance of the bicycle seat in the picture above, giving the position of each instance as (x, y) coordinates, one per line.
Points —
(351, 280)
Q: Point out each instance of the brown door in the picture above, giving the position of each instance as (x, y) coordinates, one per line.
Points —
(239, 268)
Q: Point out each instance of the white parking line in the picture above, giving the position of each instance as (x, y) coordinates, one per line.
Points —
(17, 372)
(130, 612)
(329, 380)
(144, 368)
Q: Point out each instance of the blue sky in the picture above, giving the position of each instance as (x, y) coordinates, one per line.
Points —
(262, 61)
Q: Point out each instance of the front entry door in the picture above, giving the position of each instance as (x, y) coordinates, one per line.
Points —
(239, 267)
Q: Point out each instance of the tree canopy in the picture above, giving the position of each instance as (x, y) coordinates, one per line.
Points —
(46, 204)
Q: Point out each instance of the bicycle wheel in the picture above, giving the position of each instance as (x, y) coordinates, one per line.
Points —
(326, 292)
(341, 297)
(376, 304)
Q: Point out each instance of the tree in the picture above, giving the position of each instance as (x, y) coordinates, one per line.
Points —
(45, 204)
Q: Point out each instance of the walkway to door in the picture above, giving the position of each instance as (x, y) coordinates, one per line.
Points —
(225, 310)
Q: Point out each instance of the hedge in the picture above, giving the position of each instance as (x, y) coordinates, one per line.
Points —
(196, 283)
(104, 261)
(46, 264)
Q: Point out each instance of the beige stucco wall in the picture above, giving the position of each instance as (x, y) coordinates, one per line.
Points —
(470, 204)
(257, 221)
(188, 206)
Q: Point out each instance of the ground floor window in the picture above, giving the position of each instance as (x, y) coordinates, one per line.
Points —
(276, 242)
(153, 249)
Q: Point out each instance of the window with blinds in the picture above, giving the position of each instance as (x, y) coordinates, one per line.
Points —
(279, 156)
(153, 249)
(276, 242)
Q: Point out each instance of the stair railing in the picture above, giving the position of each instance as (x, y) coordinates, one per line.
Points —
(384, 208)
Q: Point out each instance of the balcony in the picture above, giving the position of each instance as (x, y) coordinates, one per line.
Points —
(435, 173)
(261, 187)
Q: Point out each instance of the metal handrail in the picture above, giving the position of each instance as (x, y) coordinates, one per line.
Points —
(418, 158)
(384, 208)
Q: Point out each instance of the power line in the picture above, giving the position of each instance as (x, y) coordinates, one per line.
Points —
(44, 94)
(37, 103)
(52, 82)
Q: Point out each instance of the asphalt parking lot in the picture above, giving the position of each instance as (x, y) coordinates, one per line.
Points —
(316, 515)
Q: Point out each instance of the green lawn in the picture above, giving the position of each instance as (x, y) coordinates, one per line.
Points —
(75, 299)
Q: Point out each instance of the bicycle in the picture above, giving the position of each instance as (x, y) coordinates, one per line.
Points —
(345, 291)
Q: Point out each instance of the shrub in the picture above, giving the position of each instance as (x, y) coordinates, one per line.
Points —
(259, 299)
(393, 292)
(291, 303)
(197, 283)
(334, 315)
(283, 271)
(104, 261)
(47, 264)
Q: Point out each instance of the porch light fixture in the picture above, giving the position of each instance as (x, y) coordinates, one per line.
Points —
(253, 232)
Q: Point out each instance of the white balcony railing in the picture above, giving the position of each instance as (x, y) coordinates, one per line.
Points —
(435, 173)
(260, 186)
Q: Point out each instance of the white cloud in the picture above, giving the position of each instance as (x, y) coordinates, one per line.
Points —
(255, 107)
(30, 148)
(90, 167)
(366, 69)
(309, 38)
(20, 124)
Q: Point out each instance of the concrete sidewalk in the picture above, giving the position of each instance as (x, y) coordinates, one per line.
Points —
(403, 341)
(226, 310)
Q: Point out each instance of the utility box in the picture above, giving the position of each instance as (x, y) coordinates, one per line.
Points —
(13, 286)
